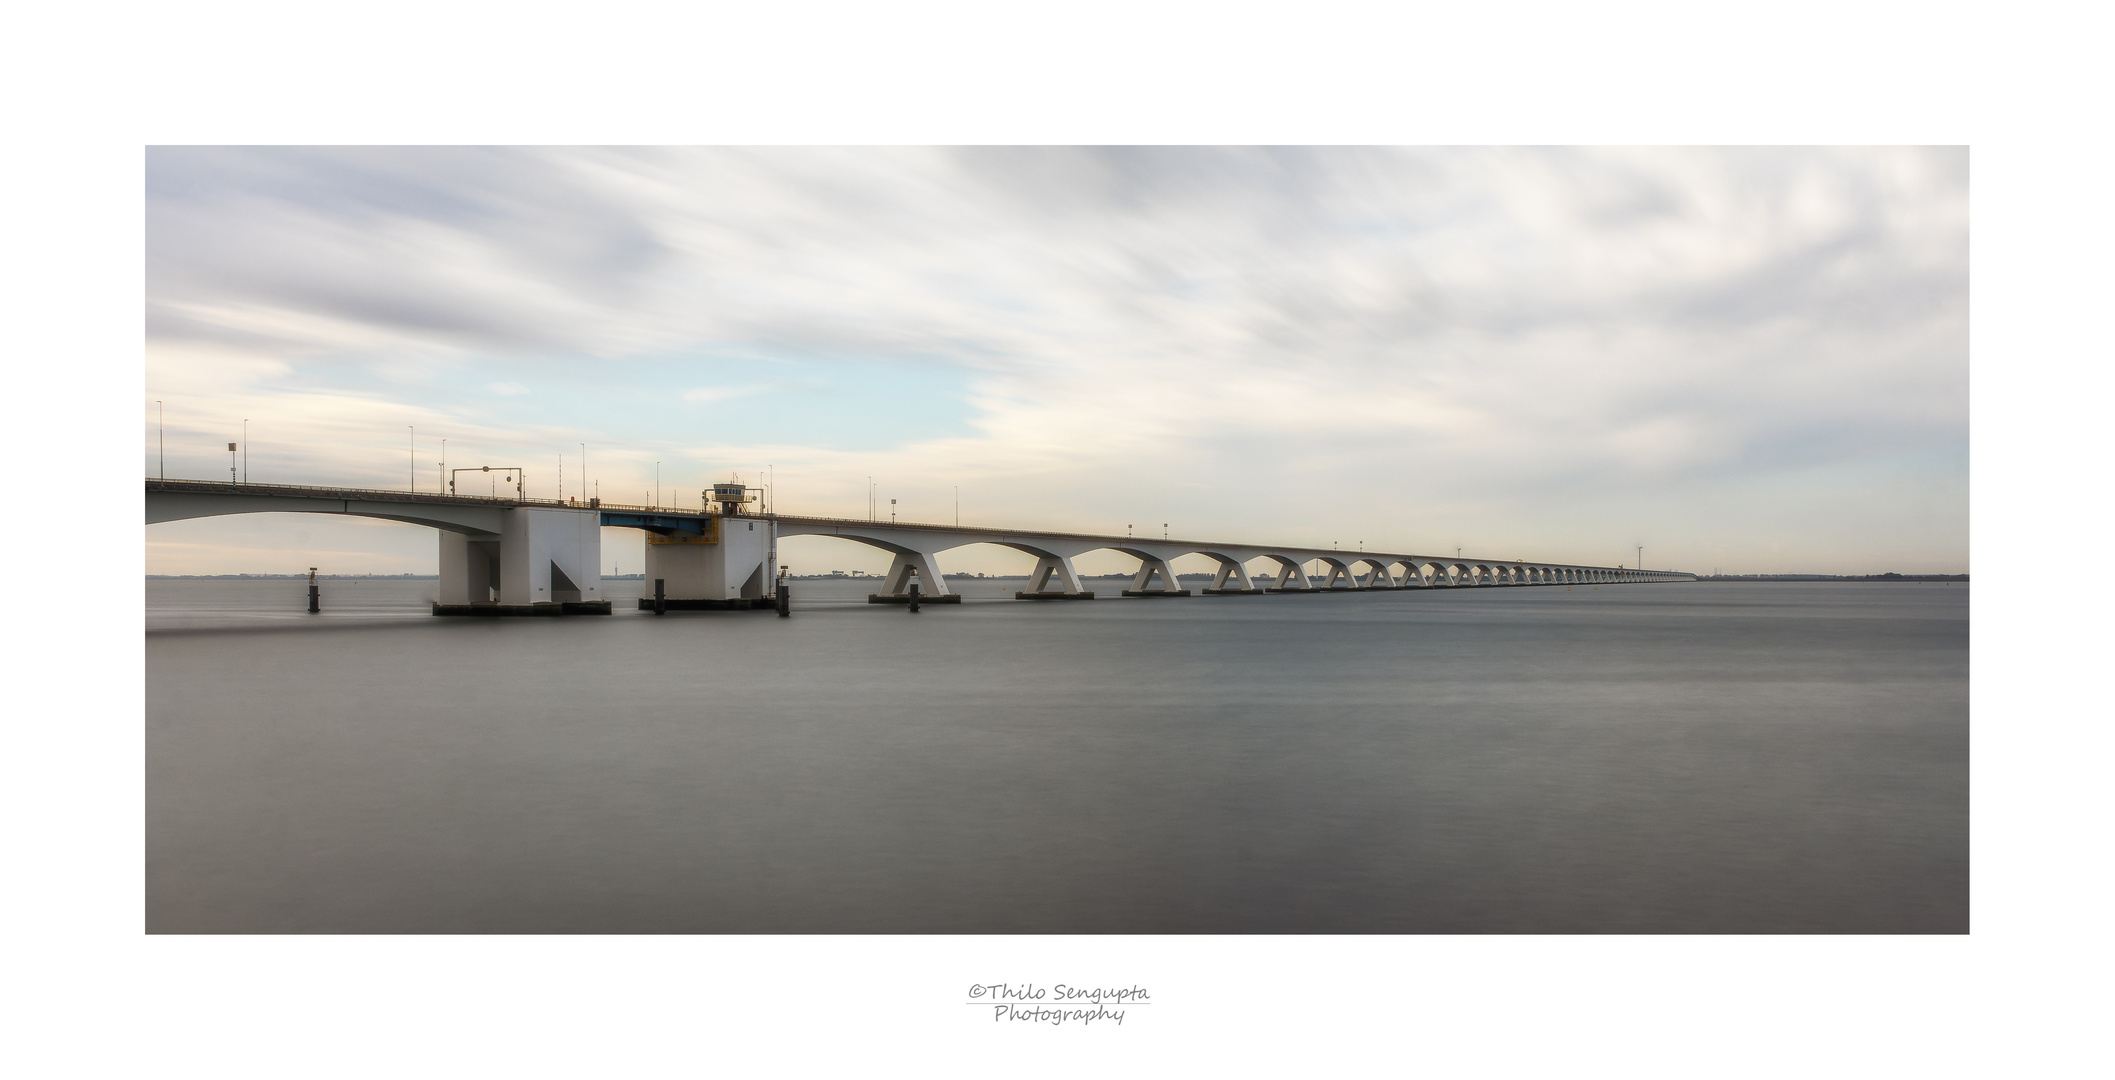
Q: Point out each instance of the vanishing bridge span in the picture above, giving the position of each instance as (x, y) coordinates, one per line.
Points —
(505, 554)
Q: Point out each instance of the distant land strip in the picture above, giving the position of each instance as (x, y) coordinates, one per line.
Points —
(1005, 577)
(1832, 577)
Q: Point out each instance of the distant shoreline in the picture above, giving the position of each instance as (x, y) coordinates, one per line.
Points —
(293, 577)
(1832, 577)
(1005, 577)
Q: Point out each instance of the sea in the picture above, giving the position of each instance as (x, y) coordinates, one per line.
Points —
(1681, 758)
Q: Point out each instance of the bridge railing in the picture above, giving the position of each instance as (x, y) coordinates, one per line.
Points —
(223, 487)
(312, 491)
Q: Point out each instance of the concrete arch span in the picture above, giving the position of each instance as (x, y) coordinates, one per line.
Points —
(915, 546)
(909, 563)
(490, 550)
(1344, 573)
(184, 505)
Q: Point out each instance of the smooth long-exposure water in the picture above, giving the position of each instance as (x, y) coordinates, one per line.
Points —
(1697, 757)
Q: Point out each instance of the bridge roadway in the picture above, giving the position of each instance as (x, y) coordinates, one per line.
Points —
(543, 551)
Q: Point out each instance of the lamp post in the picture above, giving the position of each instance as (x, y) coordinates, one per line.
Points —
(892, 511)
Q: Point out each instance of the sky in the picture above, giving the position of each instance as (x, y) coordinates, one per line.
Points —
(1744, 360)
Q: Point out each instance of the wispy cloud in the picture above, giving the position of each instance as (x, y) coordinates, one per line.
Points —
(705, 394)
(1558, 351)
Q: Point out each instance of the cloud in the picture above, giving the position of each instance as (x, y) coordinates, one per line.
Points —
(1466, 343)
(706, 394)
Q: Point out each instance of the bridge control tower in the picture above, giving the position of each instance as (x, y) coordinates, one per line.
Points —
(731, 497)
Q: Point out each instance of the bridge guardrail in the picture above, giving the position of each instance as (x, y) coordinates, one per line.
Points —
(383, 495)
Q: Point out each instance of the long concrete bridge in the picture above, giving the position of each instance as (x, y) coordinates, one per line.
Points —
(525, 554)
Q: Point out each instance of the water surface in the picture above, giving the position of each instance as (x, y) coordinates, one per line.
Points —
(1707, 757)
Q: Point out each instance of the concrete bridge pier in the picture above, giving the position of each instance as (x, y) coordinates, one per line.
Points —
(705, 562)
(1340, 570)
(710, 571)
(898, 582)
(1050, 566)
(1292, 576)
(469, 569)
(1234, 569)
(914, 567)
(1150, 565)
(541, 562)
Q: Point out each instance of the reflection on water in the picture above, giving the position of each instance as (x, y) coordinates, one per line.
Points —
(1644, 758)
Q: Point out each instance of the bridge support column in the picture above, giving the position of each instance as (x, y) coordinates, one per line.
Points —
(542, 562)
(930, 583)
(1058, 566)
(1292, 577)
(550, 557)
(1231, 569)
(469, 569)
(725, 567)
(1379, 577)
(1148, 566)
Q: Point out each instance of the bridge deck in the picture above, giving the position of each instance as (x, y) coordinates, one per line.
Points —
(637, 515)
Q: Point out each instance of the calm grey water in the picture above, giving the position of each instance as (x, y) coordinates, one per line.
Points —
(1642, 758)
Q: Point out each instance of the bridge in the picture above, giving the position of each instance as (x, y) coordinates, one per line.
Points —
(544, 556)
